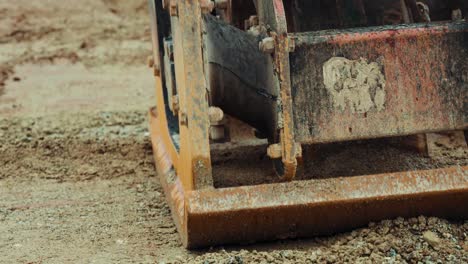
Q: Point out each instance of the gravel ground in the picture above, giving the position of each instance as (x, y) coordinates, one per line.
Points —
(77, 177)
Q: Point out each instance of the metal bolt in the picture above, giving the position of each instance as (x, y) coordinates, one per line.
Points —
(253, 21)
(183, 119)
(267, 45)
(175, 104)
(173, 8)
(215, 114)
(274, 151)
(150, 61)
(457, 15)
(207, 6)
(424, 11)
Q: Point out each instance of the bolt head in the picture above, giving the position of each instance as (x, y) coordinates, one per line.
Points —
(215, 114)
(274, 151)
(207, 6)
(253, 21)
(267, 45)
(183, 119)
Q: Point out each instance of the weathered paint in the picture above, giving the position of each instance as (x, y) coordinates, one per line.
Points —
(321, 207)
(272, 14)
(164, 160)
(354, 84)
(425, 74)
(194, 154)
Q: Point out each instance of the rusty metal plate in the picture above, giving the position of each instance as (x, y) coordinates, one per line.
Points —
(320, 207)
(377, 82)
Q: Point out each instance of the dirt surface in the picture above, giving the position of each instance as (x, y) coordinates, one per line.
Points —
(77, 178)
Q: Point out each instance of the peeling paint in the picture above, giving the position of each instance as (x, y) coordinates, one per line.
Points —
(355, 84)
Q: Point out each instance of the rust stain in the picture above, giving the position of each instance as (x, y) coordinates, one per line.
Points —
(288, 210)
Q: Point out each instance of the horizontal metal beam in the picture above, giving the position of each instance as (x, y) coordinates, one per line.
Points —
(319, 207)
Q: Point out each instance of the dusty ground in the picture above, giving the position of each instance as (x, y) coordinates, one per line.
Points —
(77, 180)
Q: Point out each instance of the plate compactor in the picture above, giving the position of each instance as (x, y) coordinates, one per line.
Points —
(304, 73)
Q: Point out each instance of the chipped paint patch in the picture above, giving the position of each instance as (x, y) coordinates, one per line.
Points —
(355, 84)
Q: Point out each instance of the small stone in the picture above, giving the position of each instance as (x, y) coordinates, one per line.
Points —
(431, 238)
(384, 247)
(399, 221)
(422, 221)
(447, 235)
(432, 221)
(313, 257)
(384, 230)
(366, 251)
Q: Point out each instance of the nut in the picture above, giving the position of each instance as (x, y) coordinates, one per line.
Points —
(253, 21)
(183, 119)
(216, 114)
(175, 104)
(457, 15)
(274, 151)
(267, 45)
(207, 6)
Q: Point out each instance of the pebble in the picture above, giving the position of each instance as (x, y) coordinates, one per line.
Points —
(431, 238)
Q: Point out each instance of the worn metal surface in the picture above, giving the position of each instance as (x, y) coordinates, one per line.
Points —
(172, 184)
(272, 14)
(309, 208)
(385, 81)
(192, 88)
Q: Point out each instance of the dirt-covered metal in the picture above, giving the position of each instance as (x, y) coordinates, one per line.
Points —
(300, 87)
